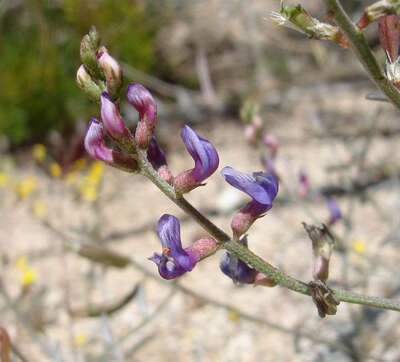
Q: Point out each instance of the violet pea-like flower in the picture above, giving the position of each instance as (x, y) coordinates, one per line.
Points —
(237, 269)
(174, 260)
(113, 123)
(261, 187)
(205, 158)
(96, 147)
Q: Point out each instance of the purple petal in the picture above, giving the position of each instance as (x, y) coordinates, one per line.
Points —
(94, 142)
(236, 269)
(113, 122)
(168, 230)
(155, 155)
(166, 267)
(262, 189)
(142, 100)
(203, 153)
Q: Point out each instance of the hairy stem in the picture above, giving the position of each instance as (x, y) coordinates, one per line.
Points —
(362, 50)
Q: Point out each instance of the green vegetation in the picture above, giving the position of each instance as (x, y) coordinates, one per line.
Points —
(40, 54)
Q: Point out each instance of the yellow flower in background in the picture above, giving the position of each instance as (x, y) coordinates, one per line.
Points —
(95, 173)
(80, 339)
(70, 178)
(89, 192)
(28, 277)
(359, 246)
(39, 153)
(78, 165)
(55, 170)
(28, 274)
(3, 179)
(39, 208)
(25, 187)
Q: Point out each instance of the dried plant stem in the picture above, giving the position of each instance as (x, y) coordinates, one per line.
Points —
(247, 255)
(362, 50)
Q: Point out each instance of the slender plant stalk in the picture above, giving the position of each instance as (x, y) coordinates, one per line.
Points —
(247, 255)
(362, 50)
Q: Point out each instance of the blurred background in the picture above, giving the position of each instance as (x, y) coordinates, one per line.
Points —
(269, 99)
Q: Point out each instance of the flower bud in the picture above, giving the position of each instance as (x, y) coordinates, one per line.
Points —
(86, 83)
(297, 18)
(88, 51)
(377, 10)
(96, 147)
(389, 36)
(115, 125)
(157, 159)
(112, 71)
(322, 244)
(144, 103)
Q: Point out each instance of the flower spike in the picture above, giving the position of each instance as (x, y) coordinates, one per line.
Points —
(261, 187)
(96, 147)
(205, 158)
(174, 260)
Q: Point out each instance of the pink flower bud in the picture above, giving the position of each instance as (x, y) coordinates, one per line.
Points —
(144, 103)
(96, 147)
(112, 71)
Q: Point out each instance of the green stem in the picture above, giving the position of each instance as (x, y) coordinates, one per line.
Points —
(362, 50)
(180, 201)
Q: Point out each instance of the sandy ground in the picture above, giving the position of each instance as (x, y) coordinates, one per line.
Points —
(186, 328)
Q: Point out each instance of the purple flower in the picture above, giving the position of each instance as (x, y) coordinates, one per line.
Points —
(96, 147)
(174, 260)
(112, 71)
(113, 122)
(261, 187)
(94, 142)
(334, 210)
(205, 158)
(143, 101)
(237, 269)
(155, 155)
